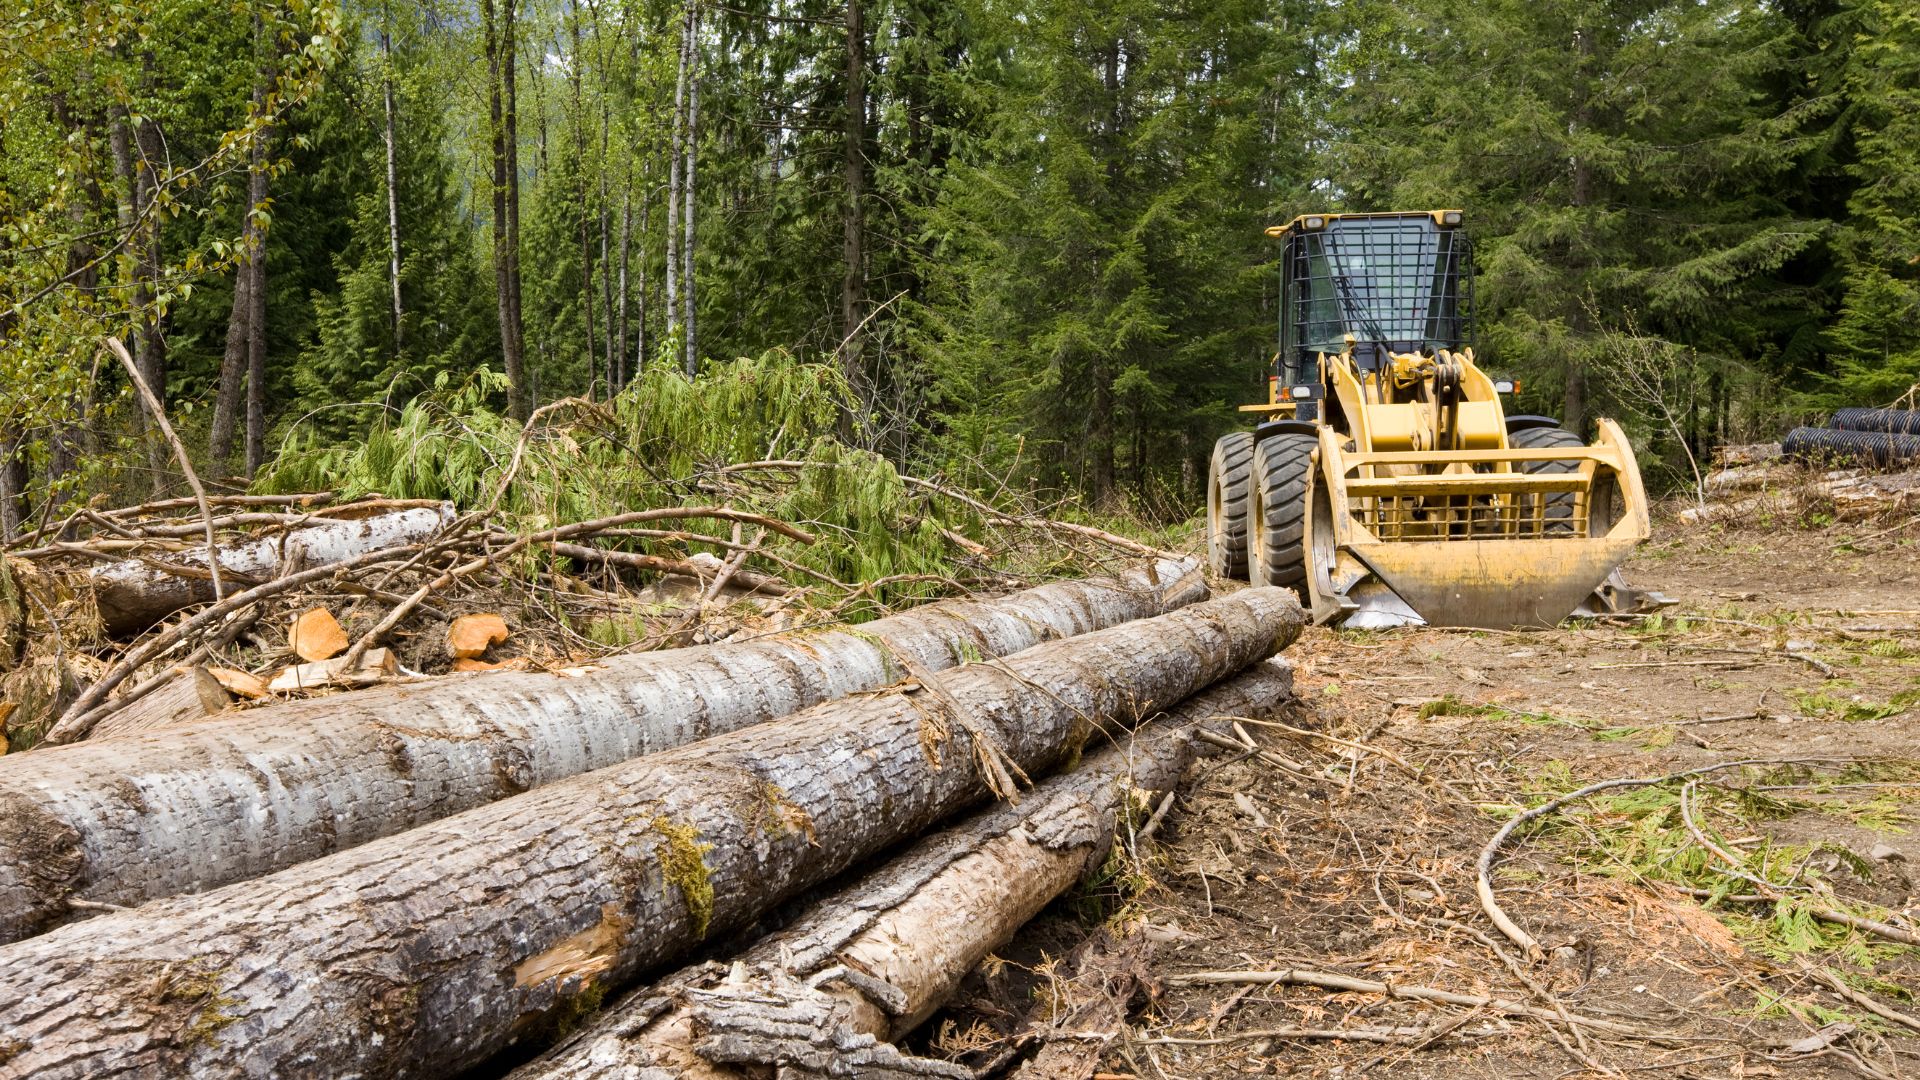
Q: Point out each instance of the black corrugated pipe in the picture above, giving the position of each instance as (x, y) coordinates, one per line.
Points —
(1890, 421)
(1825, 444)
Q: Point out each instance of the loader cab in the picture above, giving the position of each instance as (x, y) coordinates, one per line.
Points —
(1397, 283)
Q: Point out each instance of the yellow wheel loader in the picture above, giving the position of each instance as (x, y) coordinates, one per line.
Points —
(1386, 482)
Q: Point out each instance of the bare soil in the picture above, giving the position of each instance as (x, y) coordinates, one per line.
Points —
(1350, 863)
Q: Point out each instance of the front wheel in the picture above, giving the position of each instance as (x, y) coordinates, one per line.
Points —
(1227, 496)
(1558, 515)
(1282, 465)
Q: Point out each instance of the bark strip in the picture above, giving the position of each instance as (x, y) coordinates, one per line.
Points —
(429, 951)
(212, 802)
(913, 929)
(134, 594)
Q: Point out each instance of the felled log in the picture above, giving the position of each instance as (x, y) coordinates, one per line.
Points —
(190, 693)
(133, 594)
(907, 933)
(129, 820)
(429, 951)
(1854, 496)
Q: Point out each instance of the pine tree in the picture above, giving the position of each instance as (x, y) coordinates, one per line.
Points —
(1618, 164)
(447, 322)
(1877, 337)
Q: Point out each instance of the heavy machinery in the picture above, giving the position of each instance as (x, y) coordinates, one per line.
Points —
(1386, 482)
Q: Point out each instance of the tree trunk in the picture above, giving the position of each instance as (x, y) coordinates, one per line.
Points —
(393, 185)
(853, 225)
(674, 163)
(133, 595)
(1100, 418)
(617, 362)
(504, 141)
(431, 950)
(150, 347)
(132, 214)
(1573, 415)
(233, 365)
(66, 435)
(576, 78)
(257, 306)
(689, 203)
(614, 349)
(330, 773)
(15, 512)
(234, 361)
(920, 923)
(640, 295)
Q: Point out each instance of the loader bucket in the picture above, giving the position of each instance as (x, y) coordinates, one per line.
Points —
(1500, 538)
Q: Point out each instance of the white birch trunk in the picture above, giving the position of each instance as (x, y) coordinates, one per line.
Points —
(133, 594)
(690, 203)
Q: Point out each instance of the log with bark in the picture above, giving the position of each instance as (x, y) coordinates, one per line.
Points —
(908, 932)
(128, 820)
(191, 692)
(133, 594)
(430, 951)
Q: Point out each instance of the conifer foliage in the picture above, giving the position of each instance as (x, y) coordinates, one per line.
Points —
(1026, 238)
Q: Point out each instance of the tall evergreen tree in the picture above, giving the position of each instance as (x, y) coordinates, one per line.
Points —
(1877, 337)
(354, 356)
(1104, 271)
(1617, 162)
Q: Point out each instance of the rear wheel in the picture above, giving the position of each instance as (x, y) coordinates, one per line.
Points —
(1282, 465)
(1559, 516)
(1227, 497)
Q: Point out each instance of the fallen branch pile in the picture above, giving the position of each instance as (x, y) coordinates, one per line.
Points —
(430, 950)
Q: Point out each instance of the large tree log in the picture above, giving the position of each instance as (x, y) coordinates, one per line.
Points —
(135, 593)
(202, 804)
(915, 927)
(429, 951)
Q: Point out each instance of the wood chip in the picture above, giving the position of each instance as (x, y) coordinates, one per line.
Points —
(244, 683)
(377, 664)
(471, 635)
(316, 636)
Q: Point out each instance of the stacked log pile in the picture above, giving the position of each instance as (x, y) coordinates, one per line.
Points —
(871, 962)
(432, 949)
(231, 797)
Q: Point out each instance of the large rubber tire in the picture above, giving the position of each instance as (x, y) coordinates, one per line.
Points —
(1282, 466)
(1227, 496)
(1884, 421)
(1560, 505)
(1825, 446)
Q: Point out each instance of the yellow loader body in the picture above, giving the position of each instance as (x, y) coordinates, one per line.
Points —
(1422, 501)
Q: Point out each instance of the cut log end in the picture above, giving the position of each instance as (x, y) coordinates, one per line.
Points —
(470, 636)
(316, 635)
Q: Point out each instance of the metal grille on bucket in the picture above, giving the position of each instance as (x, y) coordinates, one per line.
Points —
(1512, 516)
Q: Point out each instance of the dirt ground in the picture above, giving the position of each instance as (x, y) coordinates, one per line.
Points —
(1796, 646)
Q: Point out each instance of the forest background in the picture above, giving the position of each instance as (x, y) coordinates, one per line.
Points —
(1011, 243)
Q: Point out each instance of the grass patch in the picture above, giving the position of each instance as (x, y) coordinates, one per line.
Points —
(1651, 738)
(1641, 835)
(1826, 705)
